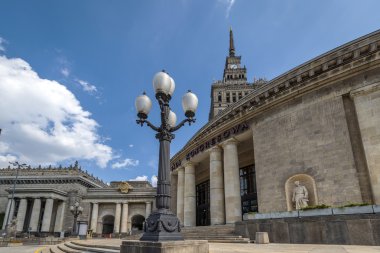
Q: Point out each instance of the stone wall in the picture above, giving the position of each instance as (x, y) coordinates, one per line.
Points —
(305, 137)
(359, 229)
(309, 135)
(367, 102)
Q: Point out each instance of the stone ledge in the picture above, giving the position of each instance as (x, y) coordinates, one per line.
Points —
(187, 246)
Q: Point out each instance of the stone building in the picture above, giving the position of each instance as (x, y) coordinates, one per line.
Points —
(43, 196)
(318, 124)
(234, 85)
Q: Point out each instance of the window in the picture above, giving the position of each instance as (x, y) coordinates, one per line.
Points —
(228, 97)
(248, 190)
(234, 97)
(240, 95)
(219, 96)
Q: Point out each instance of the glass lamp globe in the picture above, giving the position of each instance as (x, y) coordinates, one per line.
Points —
(143, 105)
(189, 104)
(172, 87)
(172, 119)
(162, 83)
(71, 208)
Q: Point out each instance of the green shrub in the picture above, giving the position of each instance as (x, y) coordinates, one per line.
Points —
(321, 206)
(355, 204)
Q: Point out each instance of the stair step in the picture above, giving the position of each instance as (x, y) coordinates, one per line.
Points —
(90, 249)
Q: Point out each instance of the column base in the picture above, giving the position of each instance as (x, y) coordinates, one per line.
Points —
(162, 225)
(188, 246)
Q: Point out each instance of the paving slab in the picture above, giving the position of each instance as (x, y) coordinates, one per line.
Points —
(264, 248)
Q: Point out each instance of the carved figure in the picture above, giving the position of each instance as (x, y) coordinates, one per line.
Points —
(11, 229)
(300, 196)
(124, 187)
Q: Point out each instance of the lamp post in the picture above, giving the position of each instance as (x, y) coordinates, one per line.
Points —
(18, 167)
(163, 224)
(76, 210)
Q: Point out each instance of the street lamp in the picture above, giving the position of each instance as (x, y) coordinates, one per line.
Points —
(163, 224)
(76, 210)
(18, 167)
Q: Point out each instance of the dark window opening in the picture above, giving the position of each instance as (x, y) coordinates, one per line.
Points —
(248, 189)
(203, 203)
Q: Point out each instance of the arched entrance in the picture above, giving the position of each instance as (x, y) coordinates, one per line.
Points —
(108, 223)
(137, 222)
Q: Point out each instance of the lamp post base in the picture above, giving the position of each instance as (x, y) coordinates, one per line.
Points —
(162, 225)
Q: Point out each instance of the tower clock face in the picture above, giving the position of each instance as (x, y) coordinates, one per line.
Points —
(233, 66)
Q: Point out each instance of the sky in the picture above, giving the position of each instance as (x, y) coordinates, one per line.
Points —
(70, 70)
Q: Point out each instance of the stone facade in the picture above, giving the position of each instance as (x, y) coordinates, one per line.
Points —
(318, 123)
(43, 197)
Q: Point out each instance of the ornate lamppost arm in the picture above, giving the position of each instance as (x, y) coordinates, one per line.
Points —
(182, 123)
(142, 121)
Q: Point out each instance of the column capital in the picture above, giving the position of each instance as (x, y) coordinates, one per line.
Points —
(215, 148)
(188, 164)
(229, 142)
(95, 202)
(125, 202)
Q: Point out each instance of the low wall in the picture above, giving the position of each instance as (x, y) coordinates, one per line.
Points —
(358, 229)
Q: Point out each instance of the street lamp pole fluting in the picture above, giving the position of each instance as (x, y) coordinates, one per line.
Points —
(163, 224)
(76, 210)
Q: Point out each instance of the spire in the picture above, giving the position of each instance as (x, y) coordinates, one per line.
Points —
(232, 47)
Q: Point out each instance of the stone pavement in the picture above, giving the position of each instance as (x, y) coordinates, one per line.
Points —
(264, 248)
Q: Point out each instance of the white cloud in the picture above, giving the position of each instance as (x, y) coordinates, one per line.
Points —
(42, 120)
(65, 71)
(131, 145)
(126, 163)
(2, 42)
(86, 86)
(140, 178)
(229, 4)
(153, 179)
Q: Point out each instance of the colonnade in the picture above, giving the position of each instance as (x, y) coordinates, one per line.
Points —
(35, 215)
(225, 200)
(121, 216)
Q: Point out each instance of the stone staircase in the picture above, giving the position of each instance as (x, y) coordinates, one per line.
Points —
(79, 247)
(216, 233)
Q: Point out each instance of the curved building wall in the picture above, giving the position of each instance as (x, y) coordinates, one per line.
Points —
(320, 120)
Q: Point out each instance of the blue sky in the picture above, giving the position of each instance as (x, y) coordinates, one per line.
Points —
(70, 70)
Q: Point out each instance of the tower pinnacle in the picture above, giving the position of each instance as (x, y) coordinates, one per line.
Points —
(232, 47)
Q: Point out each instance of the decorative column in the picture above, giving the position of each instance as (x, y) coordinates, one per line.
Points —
(148, 208)
(217, 208)
(117, 218)
(6, 213)
(60, 215)
(34, 219)
(124, 218)
(180, 194)
(21, 214)
(94, 217)
(46, 220)
(232, 182)
(189, 203)
(12, 212)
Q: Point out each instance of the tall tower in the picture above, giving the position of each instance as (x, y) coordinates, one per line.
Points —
(233, 86)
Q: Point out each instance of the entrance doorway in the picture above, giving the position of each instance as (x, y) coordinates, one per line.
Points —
(108, 223)
(248, 189)
(137, 222)
(203, 203)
